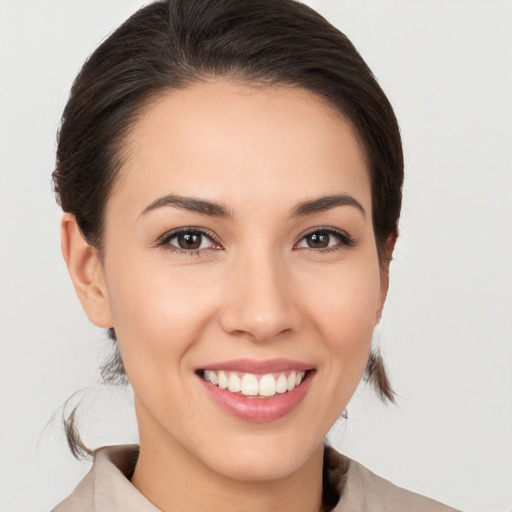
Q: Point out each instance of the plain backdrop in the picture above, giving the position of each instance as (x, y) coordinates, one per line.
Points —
(446, 332)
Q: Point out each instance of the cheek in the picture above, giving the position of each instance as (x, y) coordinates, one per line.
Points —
(156, 312)
(159, 315)
(344, 309)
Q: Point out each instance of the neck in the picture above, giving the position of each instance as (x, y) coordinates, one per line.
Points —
(173, 479)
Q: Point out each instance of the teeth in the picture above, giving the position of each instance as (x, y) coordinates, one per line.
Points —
(235, 384)
(249, 384)
(281, 384)
(223, 380)
(290, 382)
(267, 385)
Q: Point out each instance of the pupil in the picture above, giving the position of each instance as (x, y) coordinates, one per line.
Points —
(318, 240)
(189, 240)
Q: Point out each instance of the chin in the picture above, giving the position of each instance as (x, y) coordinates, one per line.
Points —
(258, 467)
(262, 458)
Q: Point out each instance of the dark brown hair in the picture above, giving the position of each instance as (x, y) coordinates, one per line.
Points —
(175, 43)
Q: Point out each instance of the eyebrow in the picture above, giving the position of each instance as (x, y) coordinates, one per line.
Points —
(191, 204)
(212, 209)
(325, 203)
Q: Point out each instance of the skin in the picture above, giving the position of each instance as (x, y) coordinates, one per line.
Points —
(258, 291)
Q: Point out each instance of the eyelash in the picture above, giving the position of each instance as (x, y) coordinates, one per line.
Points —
(345, 241)
(164, 240)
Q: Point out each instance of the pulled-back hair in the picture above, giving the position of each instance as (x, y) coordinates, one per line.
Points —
(173, 44)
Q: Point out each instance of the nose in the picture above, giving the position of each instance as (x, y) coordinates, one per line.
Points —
(260, 303)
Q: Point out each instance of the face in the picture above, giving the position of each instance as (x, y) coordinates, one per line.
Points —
(239, 251)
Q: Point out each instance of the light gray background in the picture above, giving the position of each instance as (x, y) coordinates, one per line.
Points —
(447, 327)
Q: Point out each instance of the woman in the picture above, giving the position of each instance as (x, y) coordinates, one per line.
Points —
(231, 173)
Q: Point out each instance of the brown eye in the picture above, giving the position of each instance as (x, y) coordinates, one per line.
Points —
(318, 240)
(325, 239)
(188, 241)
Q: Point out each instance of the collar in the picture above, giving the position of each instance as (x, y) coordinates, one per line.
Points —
(107, 486)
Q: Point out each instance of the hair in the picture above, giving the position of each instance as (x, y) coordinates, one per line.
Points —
(172, 44)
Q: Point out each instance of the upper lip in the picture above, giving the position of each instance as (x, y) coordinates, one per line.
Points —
(258, 367)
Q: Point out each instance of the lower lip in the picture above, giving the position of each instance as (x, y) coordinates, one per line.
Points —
(258, 409)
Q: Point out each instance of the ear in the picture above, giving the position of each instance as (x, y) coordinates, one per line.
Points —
(86, 272)
(387, 256)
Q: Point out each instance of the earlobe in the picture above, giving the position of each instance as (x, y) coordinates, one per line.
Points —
(86, 272)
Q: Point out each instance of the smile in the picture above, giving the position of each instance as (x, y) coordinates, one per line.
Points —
(253, 385)
(257, 391)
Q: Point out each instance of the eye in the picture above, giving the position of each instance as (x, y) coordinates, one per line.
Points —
(190, 240)
(325, 239)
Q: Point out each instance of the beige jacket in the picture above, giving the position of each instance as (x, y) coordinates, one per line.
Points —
(106, 488)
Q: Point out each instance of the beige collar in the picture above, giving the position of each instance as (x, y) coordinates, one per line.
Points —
(348, 486)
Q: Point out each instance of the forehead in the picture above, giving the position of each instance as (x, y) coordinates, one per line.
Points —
(232, 142)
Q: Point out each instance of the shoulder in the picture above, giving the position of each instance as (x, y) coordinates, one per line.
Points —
(107, 488)
(363, 491)
(82, 497)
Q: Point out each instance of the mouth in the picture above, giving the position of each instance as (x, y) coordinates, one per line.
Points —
(257, 392)
(254, 385)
